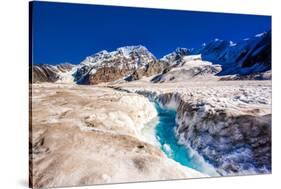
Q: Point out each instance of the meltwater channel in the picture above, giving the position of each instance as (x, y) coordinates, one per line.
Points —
(165, 134)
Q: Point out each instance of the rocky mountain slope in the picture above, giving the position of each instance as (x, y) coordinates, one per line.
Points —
(130, 63)
(50, 73)
(251, 55)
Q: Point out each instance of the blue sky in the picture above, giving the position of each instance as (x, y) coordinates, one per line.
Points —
(70, 32)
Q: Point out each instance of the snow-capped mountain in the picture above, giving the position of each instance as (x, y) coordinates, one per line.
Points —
(248, 56)
(176, 56)
(109, 66)
(129, 63)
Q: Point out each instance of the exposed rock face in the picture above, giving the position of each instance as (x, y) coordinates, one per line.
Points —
(106, 74)
(227, 122)
(130, 63)
(150, 70)
(48, 73)
(101, 143)
(44, 73)
(249, 56)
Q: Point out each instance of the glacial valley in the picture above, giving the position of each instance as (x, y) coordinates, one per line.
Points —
(126, 116)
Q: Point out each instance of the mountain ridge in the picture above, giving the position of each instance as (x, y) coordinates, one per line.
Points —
(246, 57)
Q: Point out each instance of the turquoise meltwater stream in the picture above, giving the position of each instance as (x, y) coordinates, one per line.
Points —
(165, 134)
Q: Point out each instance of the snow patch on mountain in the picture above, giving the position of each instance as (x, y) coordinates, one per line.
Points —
(188, 68)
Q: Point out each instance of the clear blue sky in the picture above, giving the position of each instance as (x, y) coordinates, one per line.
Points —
(70, 32)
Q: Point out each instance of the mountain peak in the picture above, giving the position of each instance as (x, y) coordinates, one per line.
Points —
(117, 64)
(132, 48)
(247, 56)
(176, 55)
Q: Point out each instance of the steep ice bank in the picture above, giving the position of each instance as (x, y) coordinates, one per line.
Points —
(166, 135)
(227, 123)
